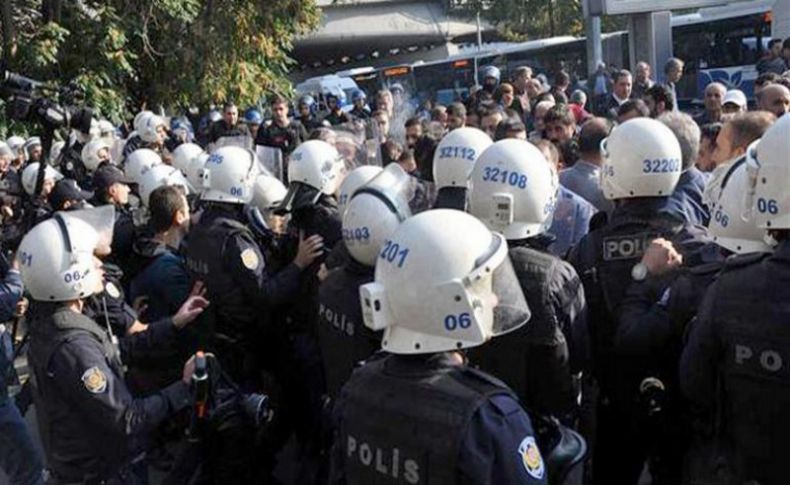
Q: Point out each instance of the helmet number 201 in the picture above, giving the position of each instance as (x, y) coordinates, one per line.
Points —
(452, 322)
(392, 252)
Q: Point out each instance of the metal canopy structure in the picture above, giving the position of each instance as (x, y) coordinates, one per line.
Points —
(363, 31)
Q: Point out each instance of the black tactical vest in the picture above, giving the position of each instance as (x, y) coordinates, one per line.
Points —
(342, 334)
(231, 314)
(534, 360)
(751, 318)
(408, 429)
(614, 249)
(74, 451)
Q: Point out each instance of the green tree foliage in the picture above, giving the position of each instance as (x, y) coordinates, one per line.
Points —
(126, 54)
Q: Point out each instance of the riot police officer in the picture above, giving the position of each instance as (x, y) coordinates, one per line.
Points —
(641, 168)
(452, 163)
(336, 115)
(353, 181)
(375, 210)
(92, 428)
(360, 110)
(734, 363)
(534, 361)
(419, 414)
(222, 252)
(307, 108)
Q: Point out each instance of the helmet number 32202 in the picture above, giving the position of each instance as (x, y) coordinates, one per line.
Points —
(663, 165)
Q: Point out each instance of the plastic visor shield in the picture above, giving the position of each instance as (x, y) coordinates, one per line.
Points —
(271, 160)
(350, 145)
(393, 187)
(101, 219)
(493, 293)
(242, 141)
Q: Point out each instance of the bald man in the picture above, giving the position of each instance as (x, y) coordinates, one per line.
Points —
(714, 94)
(775, 99)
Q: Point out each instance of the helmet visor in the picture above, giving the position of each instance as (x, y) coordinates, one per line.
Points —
(270, 160)
(102, 220)
(510, 309)
(242, 141)
(393, 187)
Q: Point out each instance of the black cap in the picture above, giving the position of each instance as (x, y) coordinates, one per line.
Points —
(105, 177)
(66, 190)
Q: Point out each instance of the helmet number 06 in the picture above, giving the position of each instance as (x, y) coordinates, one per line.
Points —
(452, 322)
(392, 252)
(767, 205)
(73, 276)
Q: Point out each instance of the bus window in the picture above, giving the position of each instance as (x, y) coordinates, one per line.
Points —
(724, 51)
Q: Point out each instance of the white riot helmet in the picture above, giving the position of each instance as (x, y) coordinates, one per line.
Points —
(183, 155)
(267, 193)
(452, 163)
(513, 189)
(193, 170)
(16, 143)
(159, 176)
(435, 291)
(769, 168)
(229, 175)
(354, 180)
(106, 129)
(30, 175)
(56, 257)
(54, 151)
(642, 158)
(138, 162)
(139, 118)
(92, 156)
(374, 212)
(149, 128)
(728, 228)
(30, 143)
(316, 165)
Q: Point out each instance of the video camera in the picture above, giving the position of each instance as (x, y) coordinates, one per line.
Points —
(26, 101)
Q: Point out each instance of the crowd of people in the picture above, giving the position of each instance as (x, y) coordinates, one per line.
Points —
(538, 284)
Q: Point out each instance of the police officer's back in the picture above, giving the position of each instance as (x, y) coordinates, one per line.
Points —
(642, 166)
(420, 415)
(534, 360)
(734, 363)
(91, 426)
(375, 210)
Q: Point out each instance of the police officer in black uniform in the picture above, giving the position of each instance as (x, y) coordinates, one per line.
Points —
(336, 114)
(223, 253)
(735, 362)
(93, 429)
(420, 414)
(360, 110)
(111, 188)
(307, 107)
(642, 167)
(537, 361)
(376, 209)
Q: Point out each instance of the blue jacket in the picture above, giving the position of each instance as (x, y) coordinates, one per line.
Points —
(10, 292)
(164, 280)
(686, 200)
